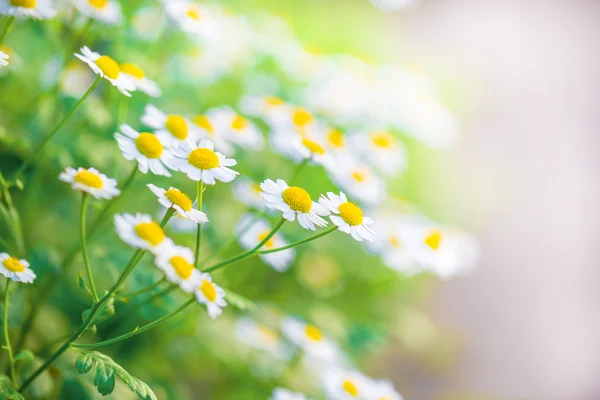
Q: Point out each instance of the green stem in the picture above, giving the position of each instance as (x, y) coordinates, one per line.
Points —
(137, 331)
(11, 359)
(298, 169)
(40, 147)
(199, 228)
(86, 260)
(300, 242)
(170, 212)
(127, 296)
(9, 25)
(77, 36)
(249, 252)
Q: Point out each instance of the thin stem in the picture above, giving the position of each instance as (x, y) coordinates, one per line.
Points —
(136, 331)
(300, 242)
(167, 217)
(11, 359)
(86, 260)
(127, 296)
(9, 25)
(298, 169)
(249, 252)
(199, 228)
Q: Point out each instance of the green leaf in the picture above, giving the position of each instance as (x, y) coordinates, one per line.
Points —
(25, 355)
(107, 312)
(8, 390)
(82, 285)
(239, 301)
(106, 369)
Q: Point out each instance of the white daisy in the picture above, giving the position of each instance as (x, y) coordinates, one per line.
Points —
(150, 151)
(90, 181)
(206, 127)
(310, 339)
(348, 216)
(271, 109)
(237, 129)
(335, 141)
(210, 295)
(106, 11)
(38, 9)
(383, 390)
(261, 337)
(15, 269)
(148, 23)
(284, 394)
(108, 69)
(75, 79)
(177, 128)
(141, 81)
(3, 59)
(359, 180)
(253, 230)
(140, 232)
(247, 192)
(396, 239)
(381, 150)
(201, 163)
(181, 202)
(293, 201)
(177, 262)
(191, 18)
(346, 385)
(313, 149)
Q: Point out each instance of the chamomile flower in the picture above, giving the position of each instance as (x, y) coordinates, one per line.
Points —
(3, 59)
(106, 11)
(75, 79)
(359, 180)
(148, 23)
(37, 9)
(140, 232)
(348, 217)
(90, 181)
(335, 141)
(205, 125)
(191, 18)
(201, 163)
(248, 192)
(380, 149)
(383, 390)
(108, 69)
(15, 269)
(181, 202)
(177, 128)
(284, 394)
(346, 385)
(211, 295)
(310, 339)
(395, 242)
(293, 201)
(271, 109)
(252, 231)
(141, 81)
(237, 129)
(261, 337)
(177, 262)
(313, 149)
(150, 151)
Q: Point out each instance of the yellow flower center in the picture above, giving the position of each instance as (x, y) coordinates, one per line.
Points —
(359, 176)
(99, 4)
(297, 198)
(268, 334)
(182, 267)
(194, 13)
(203, 122)
(179, 198)
(108, 66)
(131, 69)
(13, 264)
(394, 242)
(255, 187)
(23, 3)
(239, 123)
(314, 147)
(177, 126)
(270, 243)
(433, 239)
(351, 213)
(89, 179)
(151, 232)
(209, 290)
(202, 158)
(273, 101)
(382, 139)
(336, 138)
(301, 117)
(350, 388)
(149, 145)
(313, 333)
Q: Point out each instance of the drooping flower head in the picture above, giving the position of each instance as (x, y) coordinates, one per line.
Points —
(108, 69)
(16, 269)
(90, 181)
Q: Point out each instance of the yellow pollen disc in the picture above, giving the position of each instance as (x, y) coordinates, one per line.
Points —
(359, 176)
(202, 158)
(270, 243)
(382, 139)
(336, 138)
(89, 179)
(351, 213)
(433, 239)
(177, 126)
(133, 70)
(13, 264)
(301, 117)
(313, 333)
(183, 268)
(151, 232)
(203, 122)
(108, 66)
(239, 123)
(194, 13)
(350, 388)
(149, 145)
(297, 198)
(99, 4)
(273, 101)
(23, 3)
(314, 147)
(179, 198)
(394, 242)
(209, 290)
(255, 187)
(268, 334)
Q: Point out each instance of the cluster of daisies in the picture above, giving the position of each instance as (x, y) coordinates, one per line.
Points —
(327, 365)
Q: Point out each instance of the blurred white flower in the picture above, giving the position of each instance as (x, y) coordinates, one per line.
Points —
(284, 394)
(310, 339)
(108, 69)
(261, 337)
(172, 126)
(148, 23)
(37, 9)
(105, 11)
(141, 81)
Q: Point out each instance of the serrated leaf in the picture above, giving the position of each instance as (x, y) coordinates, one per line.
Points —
(8, 390)
(84, 363)
(25, 355)
(239, 301)
(107, 312)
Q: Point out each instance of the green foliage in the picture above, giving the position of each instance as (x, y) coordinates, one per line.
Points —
(26, 356)
(8, 391)
(107, 312)
(240, 301)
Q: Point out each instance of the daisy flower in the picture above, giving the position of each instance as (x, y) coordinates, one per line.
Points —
(346, 385)
(395, 241)
(348, 217)
(148, 23)
(106, 11)
(75, 80)
(247, 191)
(252, 231)
(3, 59)
(313, 149)
(237, 129)
(261, 337)
(210, 295)
(384, 390)
(191, 17)
(177, 262)
(150, 151)
(37, 9)
(310, 339)
(293, 202)
(177, 128)
(380, 149)
(359, 180)
(90, 181)
(180, 201)
(15, 269)
(284, 394)
(140, 232)
(205, 126)
(107, 68)
(271, 109)
(335, 141)
(141, 81)
(201, 163)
